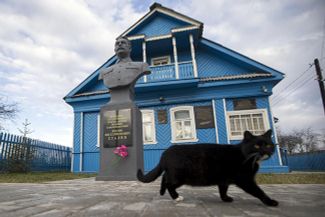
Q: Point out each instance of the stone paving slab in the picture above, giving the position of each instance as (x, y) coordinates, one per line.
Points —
(87, 197)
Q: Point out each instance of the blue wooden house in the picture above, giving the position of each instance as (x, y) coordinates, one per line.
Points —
(198, 92)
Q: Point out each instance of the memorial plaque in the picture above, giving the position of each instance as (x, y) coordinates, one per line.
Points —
(204, 117)
(117, 128)
(162, 116)
(244, 104)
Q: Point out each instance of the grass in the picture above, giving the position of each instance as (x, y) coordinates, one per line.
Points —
(291, 178)
(39, 177)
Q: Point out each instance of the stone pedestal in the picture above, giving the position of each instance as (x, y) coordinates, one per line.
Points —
(120, 124)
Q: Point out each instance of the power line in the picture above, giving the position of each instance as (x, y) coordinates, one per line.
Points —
(300, 76)
(294, 90)
(303, 83)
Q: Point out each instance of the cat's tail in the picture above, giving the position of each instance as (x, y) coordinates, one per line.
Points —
(151, 176)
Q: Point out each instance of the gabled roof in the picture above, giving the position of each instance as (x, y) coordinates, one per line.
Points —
(92, 86)
(158, 8)
(90, 79)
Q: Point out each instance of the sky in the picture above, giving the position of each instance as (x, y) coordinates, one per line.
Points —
(49, 47)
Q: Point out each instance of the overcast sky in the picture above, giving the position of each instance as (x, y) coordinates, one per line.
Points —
(48, 47)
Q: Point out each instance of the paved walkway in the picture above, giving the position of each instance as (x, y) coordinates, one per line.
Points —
(86, 197)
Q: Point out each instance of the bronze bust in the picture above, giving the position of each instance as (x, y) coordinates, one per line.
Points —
(121, 77)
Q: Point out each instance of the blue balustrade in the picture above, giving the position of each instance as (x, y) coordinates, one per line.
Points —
(167, 72)
(185, 70)
(162, 73)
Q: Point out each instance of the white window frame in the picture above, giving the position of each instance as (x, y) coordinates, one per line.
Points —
(173, 125)
(264, 113)
(153, 125)
(160, 58)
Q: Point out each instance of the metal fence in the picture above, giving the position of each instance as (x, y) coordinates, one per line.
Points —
(309, 161)
(22, 154)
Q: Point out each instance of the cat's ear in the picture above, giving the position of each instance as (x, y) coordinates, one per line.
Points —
(268, 133)
(248, 135)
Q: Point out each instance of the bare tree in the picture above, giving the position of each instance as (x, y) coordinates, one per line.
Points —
(26, 131)
(299, 141)
(8, 111)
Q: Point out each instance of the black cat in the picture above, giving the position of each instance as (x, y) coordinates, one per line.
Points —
(214, 164)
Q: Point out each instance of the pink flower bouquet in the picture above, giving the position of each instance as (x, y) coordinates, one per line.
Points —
(121, 151)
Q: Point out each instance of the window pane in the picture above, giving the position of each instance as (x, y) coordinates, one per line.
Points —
(146, 117)
(187, 132)
(179, 132)
(183, 114)
(232, 124)
(148, 133)
(237, 123)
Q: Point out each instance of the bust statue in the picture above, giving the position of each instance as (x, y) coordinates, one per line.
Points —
(121, 77)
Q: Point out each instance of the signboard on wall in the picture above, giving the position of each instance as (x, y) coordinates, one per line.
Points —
(204, 117)
(244, 104)
(162, 116)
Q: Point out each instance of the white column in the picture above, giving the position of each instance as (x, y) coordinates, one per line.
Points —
(144, 56)
(81, 140)
(193, 56)
(215, 120)
(275, 134)
(225, 114)
(175, 58)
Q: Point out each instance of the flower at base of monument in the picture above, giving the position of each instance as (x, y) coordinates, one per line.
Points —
(121, 151)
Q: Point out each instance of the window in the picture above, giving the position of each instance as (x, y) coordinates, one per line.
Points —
(158, 61)
(183, 124)
(148, 126)
(255, 121)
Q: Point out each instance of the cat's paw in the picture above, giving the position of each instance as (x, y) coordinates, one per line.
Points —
(179, 199)
(227, 199)
(271, 202)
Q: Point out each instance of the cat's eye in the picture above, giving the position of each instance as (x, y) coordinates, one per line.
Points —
(256, 146)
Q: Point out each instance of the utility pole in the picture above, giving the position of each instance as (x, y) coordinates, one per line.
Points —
(320, 81)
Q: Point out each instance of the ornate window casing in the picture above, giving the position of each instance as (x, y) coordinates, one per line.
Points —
(183, 124)
(148, 127)
(256, 121)
(159, 61)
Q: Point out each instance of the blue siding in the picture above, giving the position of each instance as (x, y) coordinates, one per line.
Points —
(76, 162)
(221, 121)
(151, 158)
(209, 64)
(184, 55)
(91, 162)
(158, 25)
(206, 135)
(90, 132)
(76, 136)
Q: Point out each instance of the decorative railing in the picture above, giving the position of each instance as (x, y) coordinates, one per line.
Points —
(161, 73)
(168, 72)
(185, 70)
